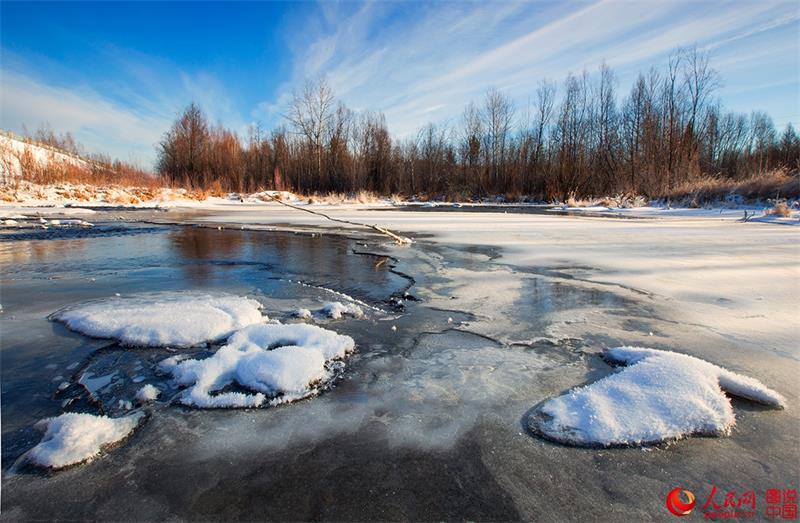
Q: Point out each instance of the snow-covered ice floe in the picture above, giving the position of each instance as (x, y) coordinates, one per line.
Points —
(275, 363)
(182, 319)
(73, 438)
(660, 395)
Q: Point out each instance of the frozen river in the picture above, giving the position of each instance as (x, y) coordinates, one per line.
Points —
(428, 420)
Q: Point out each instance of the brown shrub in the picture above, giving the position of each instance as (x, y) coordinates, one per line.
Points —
(778, 183)
(780, 209)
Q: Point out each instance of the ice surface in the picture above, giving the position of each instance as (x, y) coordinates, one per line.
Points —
(660, 395)
(269, 360)
(147, 393)
(163, 319)
(94, 384)
(73, 438)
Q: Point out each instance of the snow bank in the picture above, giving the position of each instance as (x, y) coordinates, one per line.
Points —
(74, 438)
(147, 393)
(270, 360)
(660, 395)
(335, 310)
(163, 319)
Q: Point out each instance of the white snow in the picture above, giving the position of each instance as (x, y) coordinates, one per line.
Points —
(74, 438)
(660, 395)
(71, 222)
(147, 393)
(182, 319)
(303, 314)
(268, 359)
(336, 309)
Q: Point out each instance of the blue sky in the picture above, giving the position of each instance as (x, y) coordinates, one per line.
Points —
(115, 74)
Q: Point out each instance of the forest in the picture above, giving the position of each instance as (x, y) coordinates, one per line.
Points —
(669, 134)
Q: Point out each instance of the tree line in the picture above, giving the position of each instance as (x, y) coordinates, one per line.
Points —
(577, 139)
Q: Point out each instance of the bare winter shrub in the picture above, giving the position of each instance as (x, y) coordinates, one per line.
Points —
(780, 209)
(777, 183)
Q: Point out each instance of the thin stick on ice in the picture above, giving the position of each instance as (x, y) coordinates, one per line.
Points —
(402, 240)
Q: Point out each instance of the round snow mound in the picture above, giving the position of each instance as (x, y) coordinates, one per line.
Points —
(659, 395)
(73, 438)
(176, 319)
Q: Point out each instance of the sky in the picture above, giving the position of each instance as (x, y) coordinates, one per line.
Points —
(116, 74)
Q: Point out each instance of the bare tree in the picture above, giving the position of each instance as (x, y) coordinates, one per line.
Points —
(498, 116)
(310, 113)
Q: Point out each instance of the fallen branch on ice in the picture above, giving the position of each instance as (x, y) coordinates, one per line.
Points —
(402, 240)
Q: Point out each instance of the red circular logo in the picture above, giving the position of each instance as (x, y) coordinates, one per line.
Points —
(678, 506)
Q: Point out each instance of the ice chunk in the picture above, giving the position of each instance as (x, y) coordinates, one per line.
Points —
(335, 310)
(660, 395)
(74, 438)
(147, 393)
(160, 319)
(269, 360)
(93, 385)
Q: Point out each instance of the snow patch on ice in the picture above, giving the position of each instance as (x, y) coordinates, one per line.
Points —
(73, 438)
(660, 395)
(303, 314)
(147, 393)
(163, 319)
(282, 362)
(335, 310)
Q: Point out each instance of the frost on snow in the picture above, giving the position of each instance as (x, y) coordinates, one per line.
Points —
(282, 362)
(147, 393)
(335, 310)
(163, 319)
(73, 438)
(660, 395)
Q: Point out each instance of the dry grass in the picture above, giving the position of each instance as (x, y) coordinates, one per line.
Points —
(780, 209)
(75, 171)
(620, 201)
(769, 185)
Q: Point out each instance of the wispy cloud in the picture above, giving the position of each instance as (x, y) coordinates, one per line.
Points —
(124, 117)
(417, 62)
(430, 61)
(99, 124)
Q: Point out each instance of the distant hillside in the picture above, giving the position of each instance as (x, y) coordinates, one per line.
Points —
(19, 155)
